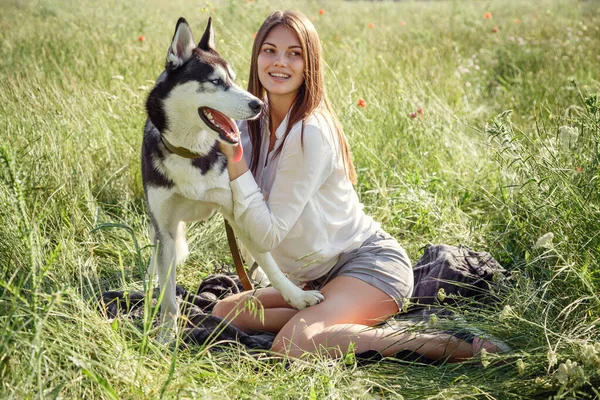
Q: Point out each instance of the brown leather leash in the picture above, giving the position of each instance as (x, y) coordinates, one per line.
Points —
(237, 259)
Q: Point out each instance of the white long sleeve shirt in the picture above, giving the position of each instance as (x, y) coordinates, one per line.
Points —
(300, 205)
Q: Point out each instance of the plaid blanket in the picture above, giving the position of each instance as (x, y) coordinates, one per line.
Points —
(444, 274)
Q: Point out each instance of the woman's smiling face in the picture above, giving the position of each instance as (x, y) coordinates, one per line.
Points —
(281, 63)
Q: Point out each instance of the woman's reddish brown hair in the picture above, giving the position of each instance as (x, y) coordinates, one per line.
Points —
(311, 95)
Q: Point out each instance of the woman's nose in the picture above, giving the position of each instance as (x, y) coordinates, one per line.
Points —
(281, 60)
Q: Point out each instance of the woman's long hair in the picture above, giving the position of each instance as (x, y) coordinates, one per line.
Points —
(311, 95)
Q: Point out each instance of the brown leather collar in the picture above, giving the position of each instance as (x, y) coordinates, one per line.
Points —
(180, 151)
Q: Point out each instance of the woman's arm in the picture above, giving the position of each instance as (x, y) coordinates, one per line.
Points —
(303, 167)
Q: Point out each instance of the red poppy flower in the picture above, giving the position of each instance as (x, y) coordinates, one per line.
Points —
(413, 115)
(487, 15)
(371, 25)
(321, 11)
(361, 103)
(420, 111)
(141, 38)
(495, 30)
(579, 169)
(517, 21)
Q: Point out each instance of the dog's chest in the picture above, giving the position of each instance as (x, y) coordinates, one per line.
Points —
(203, 184)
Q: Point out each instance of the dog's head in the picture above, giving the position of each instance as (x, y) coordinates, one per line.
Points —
(197, 93)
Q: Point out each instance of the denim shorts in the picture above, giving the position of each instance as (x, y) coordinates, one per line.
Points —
(381, 262)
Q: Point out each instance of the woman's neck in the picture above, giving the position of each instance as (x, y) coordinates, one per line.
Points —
(279, 106)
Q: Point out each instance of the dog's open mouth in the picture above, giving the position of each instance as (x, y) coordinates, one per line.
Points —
(224, 126)
(220, 123)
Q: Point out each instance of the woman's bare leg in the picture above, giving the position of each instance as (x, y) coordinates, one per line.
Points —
(350, 307)
(336, 340)
(343, 321)
(257, 310)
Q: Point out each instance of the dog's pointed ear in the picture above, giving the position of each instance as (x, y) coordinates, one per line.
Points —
(208, 39)
(181, 47)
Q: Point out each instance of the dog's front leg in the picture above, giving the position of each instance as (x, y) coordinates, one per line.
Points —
(171, 250)
(295, 296)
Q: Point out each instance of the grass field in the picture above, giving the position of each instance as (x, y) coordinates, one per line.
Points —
(476, 131)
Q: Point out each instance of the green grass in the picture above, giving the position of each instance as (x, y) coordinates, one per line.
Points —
(507, 150)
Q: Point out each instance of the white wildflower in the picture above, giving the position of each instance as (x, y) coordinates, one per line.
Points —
(506, 313)
(117, 77)
(544, 241)
(552, 359)
(590, 354)
(521, 366)
(569, 371)
(562, 376)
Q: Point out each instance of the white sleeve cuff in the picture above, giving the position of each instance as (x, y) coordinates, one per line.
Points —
(243, 186)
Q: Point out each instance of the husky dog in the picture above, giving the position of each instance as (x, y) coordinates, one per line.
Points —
(190, 111)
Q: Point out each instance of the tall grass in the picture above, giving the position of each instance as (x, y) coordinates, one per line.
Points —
(505, 152)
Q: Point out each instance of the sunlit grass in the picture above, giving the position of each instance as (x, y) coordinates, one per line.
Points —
(439, 159)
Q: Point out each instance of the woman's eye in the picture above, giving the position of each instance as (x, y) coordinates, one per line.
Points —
(269, 51)
(295, 53)
(217, 81)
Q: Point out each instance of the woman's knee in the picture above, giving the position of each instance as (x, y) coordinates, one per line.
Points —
(226, 308)
(222, 308)
(230, 307)
(297, 339)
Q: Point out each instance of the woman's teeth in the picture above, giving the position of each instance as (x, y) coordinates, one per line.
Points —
(283, 76)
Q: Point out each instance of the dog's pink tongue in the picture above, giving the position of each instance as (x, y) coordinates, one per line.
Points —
(238, 152)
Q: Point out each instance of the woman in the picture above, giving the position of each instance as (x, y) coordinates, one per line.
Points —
(297, 201)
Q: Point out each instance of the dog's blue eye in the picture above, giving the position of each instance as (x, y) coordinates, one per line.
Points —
(217, 81)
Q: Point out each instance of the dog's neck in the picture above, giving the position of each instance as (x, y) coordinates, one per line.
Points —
(180, 151)
(188, 143)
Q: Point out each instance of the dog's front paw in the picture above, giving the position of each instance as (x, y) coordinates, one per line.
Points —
(305, 299)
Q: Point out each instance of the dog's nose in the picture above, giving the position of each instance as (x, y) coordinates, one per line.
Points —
(256, 105)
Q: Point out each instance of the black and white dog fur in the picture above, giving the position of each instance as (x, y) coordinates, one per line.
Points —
(190, 111)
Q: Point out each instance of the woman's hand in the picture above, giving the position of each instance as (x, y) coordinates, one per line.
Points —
(236, 165)
(227, 150)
